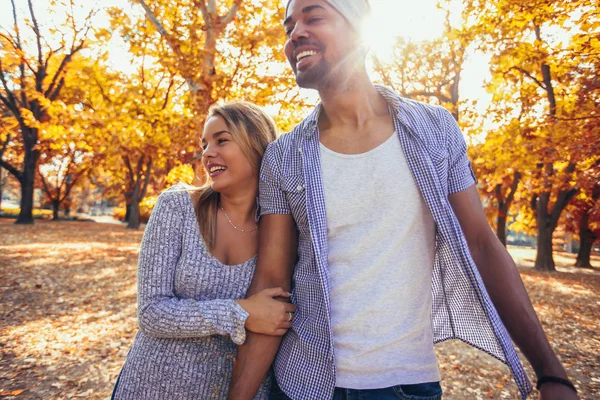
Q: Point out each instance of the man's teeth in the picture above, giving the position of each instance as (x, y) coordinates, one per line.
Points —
(216, 169)
(304, 54)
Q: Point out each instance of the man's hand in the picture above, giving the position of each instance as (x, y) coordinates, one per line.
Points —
(556, 391)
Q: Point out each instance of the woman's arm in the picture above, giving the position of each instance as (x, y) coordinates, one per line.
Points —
(160, 312)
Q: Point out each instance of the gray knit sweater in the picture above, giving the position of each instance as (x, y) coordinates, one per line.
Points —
(189, 323)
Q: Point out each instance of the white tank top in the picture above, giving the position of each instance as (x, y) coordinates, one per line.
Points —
(381, 246)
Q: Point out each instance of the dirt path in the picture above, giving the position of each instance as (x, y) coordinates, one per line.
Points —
(67, 319)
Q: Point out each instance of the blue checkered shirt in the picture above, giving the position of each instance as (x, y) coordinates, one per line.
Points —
(290, 183)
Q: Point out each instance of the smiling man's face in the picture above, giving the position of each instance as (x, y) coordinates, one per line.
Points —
(319, 42)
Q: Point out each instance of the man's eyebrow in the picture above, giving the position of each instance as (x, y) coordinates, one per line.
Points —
(305, 10)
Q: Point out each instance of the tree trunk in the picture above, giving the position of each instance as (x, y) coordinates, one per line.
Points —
(501, 225)
(586, 242)
(27, 186)
(127, 212)
(544, 260)
(55, 208)
(134, 214)
(1, 185)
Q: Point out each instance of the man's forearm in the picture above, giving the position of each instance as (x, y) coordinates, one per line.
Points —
(256, 355)
(506, 289)
(254, 359)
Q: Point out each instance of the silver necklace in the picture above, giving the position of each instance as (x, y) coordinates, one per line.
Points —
(235, 227)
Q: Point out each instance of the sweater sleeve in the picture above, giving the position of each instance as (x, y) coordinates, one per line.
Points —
(161, 313)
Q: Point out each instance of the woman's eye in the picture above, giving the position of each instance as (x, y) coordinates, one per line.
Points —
(221, 141)
(315, 19)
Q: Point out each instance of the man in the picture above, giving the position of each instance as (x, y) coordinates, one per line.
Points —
(370, 213)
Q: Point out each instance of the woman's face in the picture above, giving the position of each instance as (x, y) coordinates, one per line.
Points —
(223, 158)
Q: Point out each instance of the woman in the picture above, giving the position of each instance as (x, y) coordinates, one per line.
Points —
(196, 262)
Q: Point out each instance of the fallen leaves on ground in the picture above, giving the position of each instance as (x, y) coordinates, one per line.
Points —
(68, 316)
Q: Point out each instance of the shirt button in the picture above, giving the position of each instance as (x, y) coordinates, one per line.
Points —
(300, 188)
(300, 150)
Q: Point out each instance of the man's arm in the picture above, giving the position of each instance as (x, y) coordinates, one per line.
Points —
(505, 287)
(277, 249)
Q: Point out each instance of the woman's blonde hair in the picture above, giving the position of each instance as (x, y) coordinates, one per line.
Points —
(252, 129)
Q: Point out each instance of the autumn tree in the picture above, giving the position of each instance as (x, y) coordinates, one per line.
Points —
(428, 71)
(33, 74)
(75, 138)
(514, 34)
(145, 115)
(583, 215)
(223, 50)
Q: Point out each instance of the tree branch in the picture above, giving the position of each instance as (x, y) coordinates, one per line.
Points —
(129, 167)
(159, 27)
(166, 101)
(45, 186)
(52, 91)
(230, 14)
(4, 146)
(36, 30)
(203, 9)
(9, 100)
(579, 118)
(17, 174)
(533, 78)
(513, 189)
(70, 186)
(564, 195)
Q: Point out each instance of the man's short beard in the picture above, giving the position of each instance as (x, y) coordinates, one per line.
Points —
(314, 77)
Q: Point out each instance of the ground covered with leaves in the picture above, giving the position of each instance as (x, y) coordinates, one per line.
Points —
(68, 293)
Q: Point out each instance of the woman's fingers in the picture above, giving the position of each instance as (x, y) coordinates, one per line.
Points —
(289, 307)
(280, 332)
(276, 292)
(285, 325)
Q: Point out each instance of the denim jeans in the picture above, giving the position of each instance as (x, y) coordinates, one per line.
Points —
(420, 391)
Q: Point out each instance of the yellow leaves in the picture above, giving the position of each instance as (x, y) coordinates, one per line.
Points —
(102, 34)
(181, 173)
(30, 119)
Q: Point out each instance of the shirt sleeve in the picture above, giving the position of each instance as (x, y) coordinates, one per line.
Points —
(460, 173)
(272, 199)
(162, 314)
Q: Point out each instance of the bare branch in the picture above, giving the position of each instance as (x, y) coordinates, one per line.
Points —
(36, 29)
(45, 185)
(70, 186)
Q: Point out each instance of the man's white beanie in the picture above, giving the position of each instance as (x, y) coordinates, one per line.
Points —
(354, 11)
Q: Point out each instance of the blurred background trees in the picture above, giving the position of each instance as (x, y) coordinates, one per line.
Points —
(82, 123)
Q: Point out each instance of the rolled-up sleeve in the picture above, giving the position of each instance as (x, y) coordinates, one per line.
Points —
(460, 173)
(272, 199)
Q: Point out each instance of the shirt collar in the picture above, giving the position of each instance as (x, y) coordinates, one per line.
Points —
(309, 125)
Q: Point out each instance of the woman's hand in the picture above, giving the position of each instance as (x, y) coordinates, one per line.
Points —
(268, 315)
